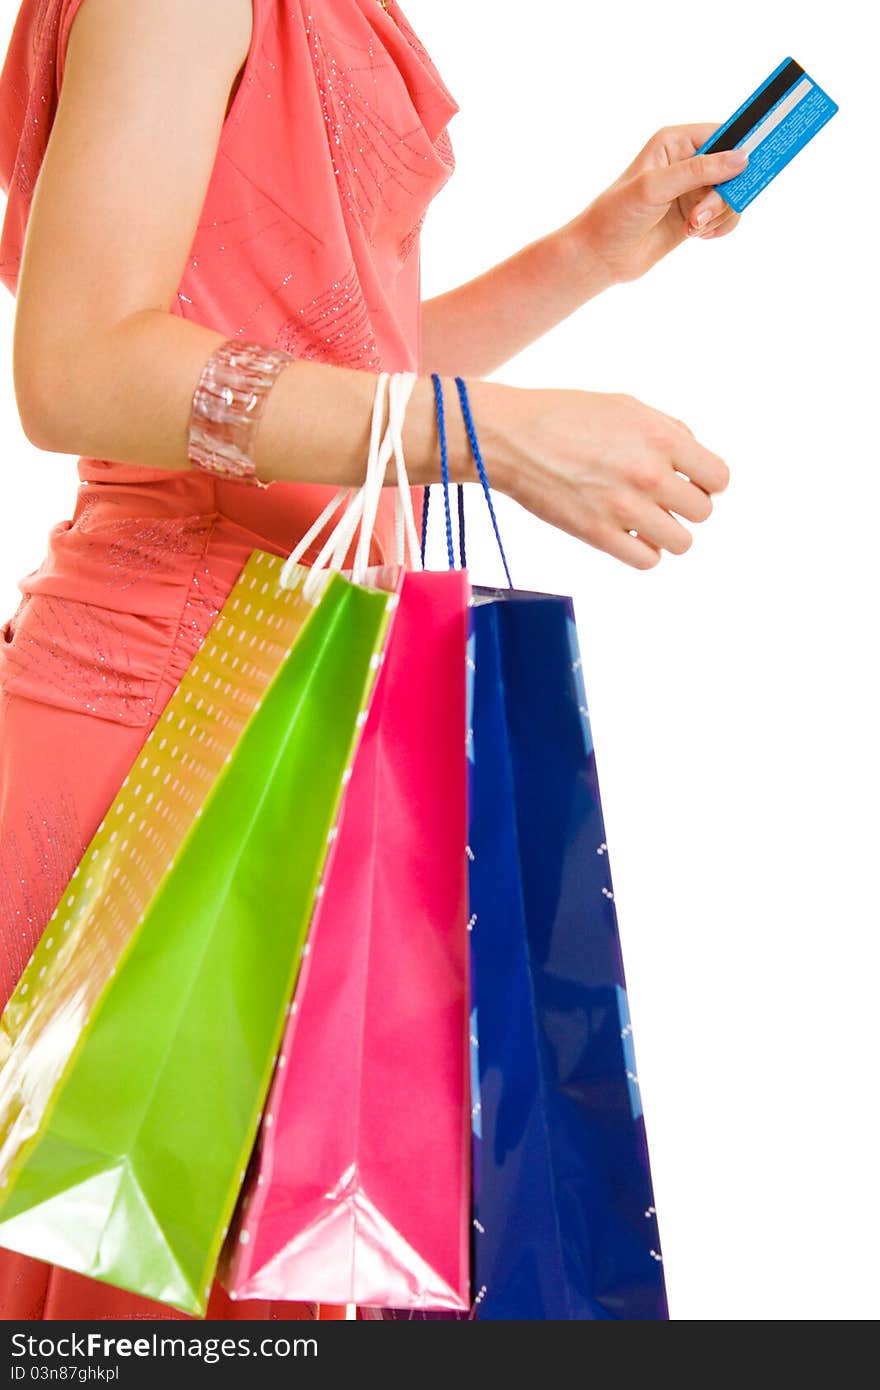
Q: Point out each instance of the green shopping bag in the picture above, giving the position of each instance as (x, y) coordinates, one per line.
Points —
(137, 1049)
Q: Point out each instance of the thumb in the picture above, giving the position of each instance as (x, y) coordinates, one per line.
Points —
(700, 171)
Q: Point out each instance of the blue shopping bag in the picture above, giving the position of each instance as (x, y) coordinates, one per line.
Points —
(564, 1225)
(564, 1221)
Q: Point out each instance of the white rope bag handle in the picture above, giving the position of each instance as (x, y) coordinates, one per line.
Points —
(400, 390)
(288, 579)
(363, 506)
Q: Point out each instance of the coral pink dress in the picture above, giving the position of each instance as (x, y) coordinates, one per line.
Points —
(333, 146)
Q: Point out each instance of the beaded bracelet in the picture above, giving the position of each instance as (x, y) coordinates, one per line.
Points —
(227, 405)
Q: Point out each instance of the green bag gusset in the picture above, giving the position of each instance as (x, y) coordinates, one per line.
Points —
(137, 1049)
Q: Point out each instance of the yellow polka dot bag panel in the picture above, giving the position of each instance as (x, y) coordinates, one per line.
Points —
(137, 1050)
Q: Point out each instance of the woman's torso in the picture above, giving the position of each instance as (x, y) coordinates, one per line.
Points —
(333, 146)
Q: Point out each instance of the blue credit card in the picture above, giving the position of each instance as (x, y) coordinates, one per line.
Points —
(774, 124)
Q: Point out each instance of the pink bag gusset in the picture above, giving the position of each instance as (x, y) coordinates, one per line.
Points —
(359, 1189)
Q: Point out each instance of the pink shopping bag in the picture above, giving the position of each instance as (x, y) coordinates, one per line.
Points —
(359, 1188)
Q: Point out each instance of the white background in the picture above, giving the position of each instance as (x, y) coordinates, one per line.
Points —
(733, 690)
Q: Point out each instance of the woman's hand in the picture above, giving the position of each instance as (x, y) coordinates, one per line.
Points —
(664, 196)
(604, 468)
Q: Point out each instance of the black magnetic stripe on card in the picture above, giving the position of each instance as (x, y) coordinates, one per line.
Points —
(764, 101)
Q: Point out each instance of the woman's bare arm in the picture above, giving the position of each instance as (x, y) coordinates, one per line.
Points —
(480, 325)
(102, 367)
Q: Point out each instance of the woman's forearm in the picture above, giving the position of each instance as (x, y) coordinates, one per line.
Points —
(601, 467)
(126, 394)
(480, 325)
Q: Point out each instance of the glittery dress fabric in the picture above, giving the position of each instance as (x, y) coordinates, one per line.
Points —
(333, 146)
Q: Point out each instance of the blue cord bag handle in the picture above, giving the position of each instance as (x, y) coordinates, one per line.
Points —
(444, 466)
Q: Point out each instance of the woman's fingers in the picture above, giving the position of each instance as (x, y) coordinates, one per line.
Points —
(608, 527)
(680, 495)
(706, 211)
(633, 550)
(672, 450)
(662, 186)
(653, 523)
(700, 465)
(646, 526)
(724, 216)
(722, 227)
